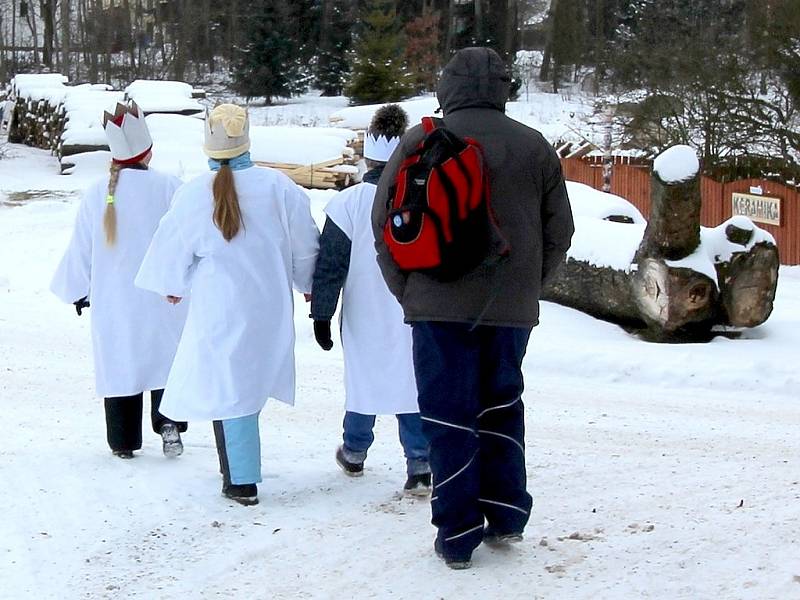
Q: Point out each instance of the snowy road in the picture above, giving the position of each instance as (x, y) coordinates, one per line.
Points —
(638, 493)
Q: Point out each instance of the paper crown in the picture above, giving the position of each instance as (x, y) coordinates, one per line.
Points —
(379, 148)
(127, 133)
(227, 132)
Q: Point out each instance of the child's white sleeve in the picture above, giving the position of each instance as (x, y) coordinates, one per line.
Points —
(168, 266)
(73, 277)
(304, 239)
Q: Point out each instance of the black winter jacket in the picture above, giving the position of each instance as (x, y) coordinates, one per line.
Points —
(528, 196)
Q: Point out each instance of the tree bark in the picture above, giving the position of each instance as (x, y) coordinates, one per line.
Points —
(47, 14)
(31, 18)
(478, 18)
(673, 229)
(511, 43)
(544, 72)
(448, 49)
(66, 46)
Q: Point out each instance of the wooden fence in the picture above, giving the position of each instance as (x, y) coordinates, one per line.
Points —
(632, 182)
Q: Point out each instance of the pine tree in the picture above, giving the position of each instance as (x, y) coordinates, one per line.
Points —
(332, 69)
(267, 63)
(379, 74)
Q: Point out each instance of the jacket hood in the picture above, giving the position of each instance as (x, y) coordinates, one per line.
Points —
(474, 78)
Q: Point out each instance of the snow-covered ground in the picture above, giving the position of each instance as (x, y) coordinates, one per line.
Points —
(658, 471)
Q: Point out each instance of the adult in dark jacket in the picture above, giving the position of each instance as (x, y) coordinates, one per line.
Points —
(470, 335)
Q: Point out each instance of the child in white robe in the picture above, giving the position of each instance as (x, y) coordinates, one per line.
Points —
(134, 333)
(238, 238)
(379, 371)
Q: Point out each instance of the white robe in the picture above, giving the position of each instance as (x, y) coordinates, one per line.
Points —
(237, 347)
(134, 332)
(378, 366)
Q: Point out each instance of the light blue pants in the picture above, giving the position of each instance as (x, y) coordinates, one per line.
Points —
(239, 449)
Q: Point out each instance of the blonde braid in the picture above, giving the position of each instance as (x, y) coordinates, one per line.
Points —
(110, 216)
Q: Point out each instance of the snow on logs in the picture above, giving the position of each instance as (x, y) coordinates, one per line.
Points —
(35, 120)
(671, 279)
(67, 119)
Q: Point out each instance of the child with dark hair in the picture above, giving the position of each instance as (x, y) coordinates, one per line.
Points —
(379, 375)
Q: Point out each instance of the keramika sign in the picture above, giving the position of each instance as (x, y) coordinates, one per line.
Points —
(761, 209)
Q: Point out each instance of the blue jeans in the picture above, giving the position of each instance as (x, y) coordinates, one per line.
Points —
(358, 437)
(470, 386)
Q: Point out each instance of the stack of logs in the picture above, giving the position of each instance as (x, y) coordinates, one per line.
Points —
(37, 123)
(337, 173)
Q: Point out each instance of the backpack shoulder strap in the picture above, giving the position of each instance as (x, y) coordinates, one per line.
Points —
(431, 123)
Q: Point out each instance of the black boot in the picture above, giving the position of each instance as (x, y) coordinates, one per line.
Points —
(418, 485)
(245, 494)
(351, 468)
(456, 563)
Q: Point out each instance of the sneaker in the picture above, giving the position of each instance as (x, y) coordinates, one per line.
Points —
(494, 538)
(457, 564)
(245, 494)
(418, 485)
(173, 446)
(123, 453)
(353, 469)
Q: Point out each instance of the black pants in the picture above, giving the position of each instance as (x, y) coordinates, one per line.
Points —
(470, 384)
(124, 420)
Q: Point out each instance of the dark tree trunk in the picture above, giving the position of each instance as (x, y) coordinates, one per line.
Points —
(673, 229)
(478, 18)
(66, 46)
(48, 17)
(547, 56)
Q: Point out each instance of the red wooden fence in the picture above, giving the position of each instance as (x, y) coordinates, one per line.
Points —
(632, 182)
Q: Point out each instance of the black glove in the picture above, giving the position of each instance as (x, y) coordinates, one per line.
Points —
(322, 333)
(81, 304)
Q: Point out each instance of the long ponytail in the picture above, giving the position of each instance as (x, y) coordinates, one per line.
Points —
(110, 216)
(227, 213)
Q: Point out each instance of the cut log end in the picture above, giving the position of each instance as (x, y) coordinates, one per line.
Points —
(748, 282)
(672, 299)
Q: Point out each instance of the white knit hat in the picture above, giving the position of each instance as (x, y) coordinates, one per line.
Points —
(127, 133)
(227, 132)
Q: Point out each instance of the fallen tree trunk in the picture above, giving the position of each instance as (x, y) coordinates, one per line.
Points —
(682, 281)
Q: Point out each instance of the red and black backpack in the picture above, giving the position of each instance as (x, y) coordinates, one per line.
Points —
(439, 221)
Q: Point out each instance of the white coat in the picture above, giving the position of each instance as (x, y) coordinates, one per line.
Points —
(134, 332)
(378, 367)
(237, 347)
